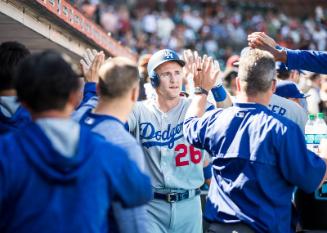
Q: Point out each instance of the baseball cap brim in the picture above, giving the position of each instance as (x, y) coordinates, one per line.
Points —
(180, 62)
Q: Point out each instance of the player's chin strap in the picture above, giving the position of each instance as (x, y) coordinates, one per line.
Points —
(179, 195)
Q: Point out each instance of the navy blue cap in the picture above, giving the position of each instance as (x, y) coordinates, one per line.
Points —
(162, 56)
(288, 89)
(281, 67)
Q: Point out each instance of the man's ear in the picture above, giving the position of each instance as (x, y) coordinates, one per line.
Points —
(273, 85)
(74, 98)
(238, 84)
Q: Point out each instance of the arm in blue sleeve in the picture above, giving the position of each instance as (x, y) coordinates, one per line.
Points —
(207, 173)
(196, 131)
(298, 165)
(88, 92)
(132, 187)
(314, 61)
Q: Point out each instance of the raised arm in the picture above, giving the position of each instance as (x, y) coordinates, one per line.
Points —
(91, 63)
(314, 61)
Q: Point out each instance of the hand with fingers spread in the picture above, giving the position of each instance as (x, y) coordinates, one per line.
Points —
(91, 63)
(209, 73)
(190, 57)
(197, 68)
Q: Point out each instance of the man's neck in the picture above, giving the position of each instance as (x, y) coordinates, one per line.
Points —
(51, 114)
(113, 108)
(166, 105)
(263, 99)
(9, 92)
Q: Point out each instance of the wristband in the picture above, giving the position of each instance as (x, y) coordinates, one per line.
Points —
(200, 90)
(207, 172)
(278, 47)
(219, 93)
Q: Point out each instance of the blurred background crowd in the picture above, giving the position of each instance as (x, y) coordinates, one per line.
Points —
(217, 28)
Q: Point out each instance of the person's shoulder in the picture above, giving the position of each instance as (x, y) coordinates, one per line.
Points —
(284, 106)
(101, 148)
(82, 110)
(280, 121)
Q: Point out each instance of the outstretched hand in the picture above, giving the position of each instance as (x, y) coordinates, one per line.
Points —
(91, 63)
(206, 72)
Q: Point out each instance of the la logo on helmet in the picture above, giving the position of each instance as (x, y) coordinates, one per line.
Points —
(169, 54)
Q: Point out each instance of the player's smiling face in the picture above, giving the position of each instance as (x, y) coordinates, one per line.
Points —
(171, 78)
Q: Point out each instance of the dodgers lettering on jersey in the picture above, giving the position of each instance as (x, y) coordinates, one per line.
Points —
(166, 137)
(170, 160)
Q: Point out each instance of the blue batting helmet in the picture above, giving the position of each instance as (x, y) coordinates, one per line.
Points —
(159, 58)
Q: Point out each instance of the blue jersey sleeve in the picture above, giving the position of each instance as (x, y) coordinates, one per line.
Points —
(314, 61)
(197, 131)
(298, 165)
(88, 92)
(132, 187)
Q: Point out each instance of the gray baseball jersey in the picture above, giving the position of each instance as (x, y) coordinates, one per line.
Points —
(171, 161)
(289, 109)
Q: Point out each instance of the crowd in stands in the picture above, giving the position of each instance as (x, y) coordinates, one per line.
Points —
(216, 28)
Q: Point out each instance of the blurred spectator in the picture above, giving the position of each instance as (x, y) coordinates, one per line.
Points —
(217, 28)
(314, 94)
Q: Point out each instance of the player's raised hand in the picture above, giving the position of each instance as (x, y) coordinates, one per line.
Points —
(197, 67)
(190, 57)
(261, 41)
(210, 72)
(91, 63)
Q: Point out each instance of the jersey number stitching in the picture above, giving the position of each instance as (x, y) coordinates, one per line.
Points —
(195, 155)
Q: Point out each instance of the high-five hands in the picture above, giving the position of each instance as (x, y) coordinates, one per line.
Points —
(91, 63)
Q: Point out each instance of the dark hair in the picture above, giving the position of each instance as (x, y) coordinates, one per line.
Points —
(44, 81)
(283, 74)
(11, 53)
(117, 76)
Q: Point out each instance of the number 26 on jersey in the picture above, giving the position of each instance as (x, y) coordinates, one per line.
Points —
(181, 158)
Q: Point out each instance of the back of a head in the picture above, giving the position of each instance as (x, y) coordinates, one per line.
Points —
(44, 81)
(117, 77)
(282, 71)
(11, 53)
(256, 71)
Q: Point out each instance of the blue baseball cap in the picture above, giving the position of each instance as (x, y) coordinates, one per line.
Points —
(162, 56)
(288, 89)
(281, 67)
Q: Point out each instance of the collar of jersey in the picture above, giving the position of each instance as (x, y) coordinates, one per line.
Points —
(250, 105)
(102, 117)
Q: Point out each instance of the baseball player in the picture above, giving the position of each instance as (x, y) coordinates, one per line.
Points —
(256, 162)
(285, 107)
(12, 115)
(55, 175)
(175, 166)
(118, 91)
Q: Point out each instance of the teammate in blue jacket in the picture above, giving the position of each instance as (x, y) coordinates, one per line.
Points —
(56, 176)
(314, 61)
(258, 156)
(12, 115)
(118, 90)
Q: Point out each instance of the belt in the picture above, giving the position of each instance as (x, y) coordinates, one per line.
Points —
(174, 196)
